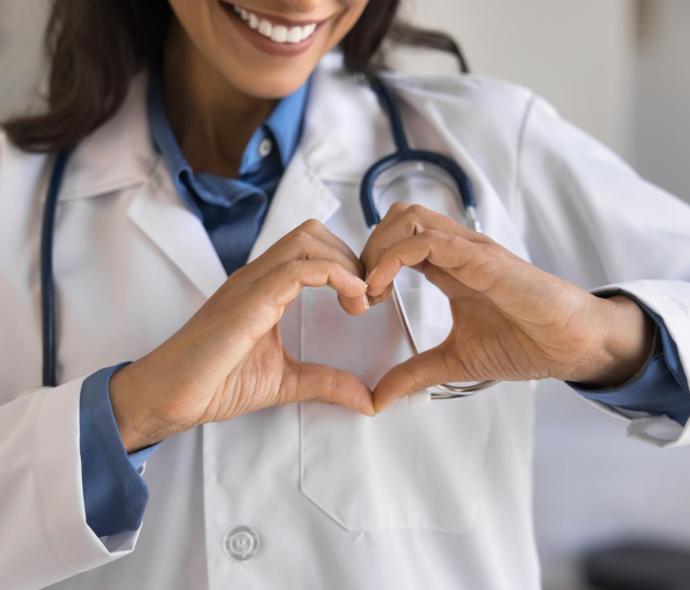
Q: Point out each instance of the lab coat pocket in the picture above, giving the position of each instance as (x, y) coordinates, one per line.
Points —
(414, 466)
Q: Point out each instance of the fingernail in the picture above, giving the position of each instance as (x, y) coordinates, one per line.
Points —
(370, 276)
(365, 300)
(363, 283)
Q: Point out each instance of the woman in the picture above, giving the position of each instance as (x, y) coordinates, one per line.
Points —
(207, 134)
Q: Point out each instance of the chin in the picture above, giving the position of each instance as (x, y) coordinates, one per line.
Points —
(270, 85)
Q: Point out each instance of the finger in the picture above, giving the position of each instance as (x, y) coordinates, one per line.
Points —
(301, 244)
(311, 241)
(285, 282)
(419, 372)
(446, 251)
(312, 382)
(385, 295)
(354, 306)
(319, 230)
(403, 221)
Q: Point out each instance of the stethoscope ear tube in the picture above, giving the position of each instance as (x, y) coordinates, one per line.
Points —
(372, 217)
(47, 281)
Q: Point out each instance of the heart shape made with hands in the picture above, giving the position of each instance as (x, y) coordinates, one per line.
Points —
(511, 320)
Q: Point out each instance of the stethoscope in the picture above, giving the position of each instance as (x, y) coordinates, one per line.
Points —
(403, 155)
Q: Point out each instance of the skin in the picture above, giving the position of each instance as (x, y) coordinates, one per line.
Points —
(512, 321)
(229, 86)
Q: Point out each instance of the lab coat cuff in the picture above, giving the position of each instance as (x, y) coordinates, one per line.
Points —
(669, 301)
(58, 468)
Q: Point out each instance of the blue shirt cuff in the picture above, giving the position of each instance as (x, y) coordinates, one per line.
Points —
(660, 388)
(115, 494)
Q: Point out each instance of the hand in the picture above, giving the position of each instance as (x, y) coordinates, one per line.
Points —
(228, 359)
(511, 320)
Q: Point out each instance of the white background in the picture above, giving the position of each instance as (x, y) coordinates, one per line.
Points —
(618, 68)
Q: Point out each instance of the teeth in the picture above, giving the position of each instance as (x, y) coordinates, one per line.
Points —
(275, 32)
(279, 34)
(294, 35)
(265, 28)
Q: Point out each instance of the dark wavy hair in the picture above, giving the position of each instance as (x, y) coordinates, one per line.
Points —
(95, 47)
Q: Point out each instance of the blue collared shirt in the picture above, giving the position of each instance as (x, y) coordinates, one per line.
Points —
(232, 210)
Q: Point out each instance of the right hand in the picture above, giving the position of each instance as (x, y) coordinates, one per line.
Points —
(228, 359)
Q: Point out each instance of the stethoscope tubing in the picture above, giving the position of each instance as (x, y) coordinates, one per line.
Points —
(48, 315)
(402, 154)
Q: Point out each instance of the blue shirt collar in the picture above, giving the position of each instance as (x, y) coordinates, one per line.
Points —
(285, 122)
(284, 125)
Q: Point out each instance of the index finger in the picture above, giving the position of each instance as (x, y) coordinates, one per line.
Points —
(404, 221)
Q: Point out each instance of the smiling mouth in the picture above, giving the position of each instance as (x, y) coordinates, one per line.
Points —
(277, 30)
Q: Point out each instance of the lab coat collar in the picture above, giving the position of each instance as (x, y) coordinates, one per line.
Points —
(117, 155)
(159, 212)
(344, 131)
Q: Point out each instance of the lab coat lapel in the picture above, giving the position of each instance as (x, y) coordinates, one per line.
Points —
(119, 157)
(335, 147)
(160, 214)
(301, 195)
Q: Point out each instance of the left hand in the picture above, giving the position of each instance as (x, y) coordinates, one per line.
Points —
(511, 320)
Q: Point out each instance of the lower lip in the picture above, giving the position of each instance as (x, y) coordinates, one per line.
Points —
(264, 43)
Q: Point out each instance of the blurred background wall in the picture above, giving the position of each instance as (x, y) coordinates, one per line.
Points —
(619, 69)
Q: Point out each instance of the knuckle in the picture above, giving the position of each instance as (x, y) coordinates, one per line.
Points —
(301, 240)
(429, 236)
(292, 268)
(412, 217)
(416, 210)
(397, 208)
(311, 225)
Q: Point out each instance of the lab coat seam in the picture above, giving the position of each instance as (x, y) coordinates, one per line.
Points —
(515, 184)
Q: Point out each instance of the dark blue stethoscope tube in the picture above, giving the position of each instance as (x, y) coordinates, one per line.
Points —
(403, 154)
(372, 217)
(48, 315)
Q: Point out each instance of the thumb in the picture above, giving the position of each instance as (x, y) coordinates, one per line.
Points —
(312, 382)
(419, 372)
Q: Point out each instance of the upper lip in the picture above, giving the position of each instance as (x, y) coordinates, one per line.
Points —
(278, 19)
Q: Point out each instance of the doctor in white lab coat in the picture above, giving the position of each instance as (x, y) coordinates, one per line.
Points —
(257, 483)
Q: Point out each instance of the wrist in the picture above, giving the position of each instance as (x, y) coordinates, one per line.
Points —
(623, 347)
(138, 423)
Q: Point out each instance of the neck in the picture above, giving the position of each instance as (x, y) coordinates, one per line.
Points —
(212, 121)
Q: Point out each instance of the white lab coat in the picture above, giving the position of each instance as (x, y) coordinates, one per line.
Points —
(432, 495)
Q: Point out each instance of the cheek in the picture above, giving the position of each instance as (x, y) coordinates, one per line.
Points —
(341, 26)
(196, 18)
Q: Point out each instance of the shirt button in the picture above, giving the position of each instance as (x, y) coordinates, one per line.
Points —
(241, 543)
(265, 147)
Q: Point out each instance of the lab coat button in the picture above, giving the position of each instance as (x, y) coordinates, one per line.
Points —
(265, 147)
(241, 543)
